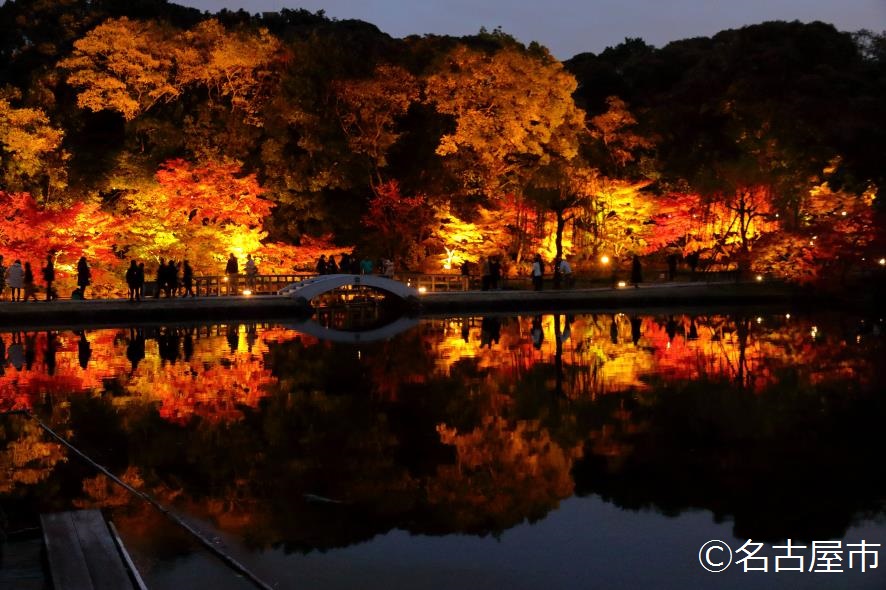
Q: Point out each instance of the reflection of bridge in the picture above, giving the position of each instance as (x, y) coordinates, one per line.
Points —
(317, 330)
(309, 288)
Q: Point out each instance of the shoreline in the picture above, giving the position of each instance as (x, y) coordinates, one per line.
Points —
(104, 312)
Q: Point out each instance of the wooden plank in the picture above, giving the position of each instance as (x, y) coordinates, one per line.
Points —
(102, 558)
(82, 553)
(66, 560)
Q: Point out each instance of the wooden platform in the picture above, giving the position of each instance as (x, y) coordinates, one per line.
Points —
(82, 552)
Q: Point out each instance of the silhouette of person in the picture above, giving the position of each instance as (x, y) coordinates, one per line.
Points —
(84, 275)
(536, 333)
(636, 272)
(16, 352)
(30, 350)
(84, 350)
(30, 288)
(167, 345)
(132, 279)
(140, 282)
(15, 278)
(538, 273)
(233, 271)
(613, 331)
(671, 329)
(161, 278)
(49, 277)
(636, 324)
(188, 278)
(251, 336)
(135, 350)
(233, 335)
(672, 266)
(171, 285)
(188, 344)
(49, 356)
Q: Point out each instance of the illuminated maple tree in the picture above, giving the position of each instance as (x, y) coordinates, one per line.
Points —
(199, 212)
(398, 222)
(29, 231)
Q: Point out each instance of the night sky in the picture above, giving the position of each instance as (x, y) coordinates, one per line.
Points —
(568, 27)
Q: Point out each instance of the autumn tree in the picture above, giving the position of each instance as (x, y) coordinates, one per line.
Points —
(124, 65)
(30, 231)
(129, 66)
(512, 110)
(200, 212)
(31, 154)
(398, 223)
(237, 66)
(369, 110)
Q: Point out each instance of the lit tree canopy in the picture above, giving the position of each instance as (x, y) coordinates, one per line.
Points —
(30, 149)
(511, 109)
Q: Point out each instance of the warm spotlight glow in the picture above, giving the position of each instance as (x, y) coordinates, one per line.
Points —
(247, 292)
(422, 290)
(787, 316)
(759, 277)
(882, 261)
(622, 284)
(604, 259)
(759, 320)
(225, 279)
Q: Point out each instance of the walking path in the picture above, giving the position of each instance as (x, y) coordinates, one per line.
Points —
(97, 312)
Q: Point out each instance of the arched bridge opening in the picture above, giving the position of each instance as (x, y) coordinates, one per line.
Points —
(309, 289)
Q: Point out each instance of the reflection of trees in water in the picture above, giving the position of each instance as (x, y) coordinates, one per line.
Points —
(449, 429)
(789, 462)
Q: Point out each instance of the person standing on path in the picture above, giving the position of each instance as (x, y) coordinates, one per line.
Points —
(538, 273)
(494, 273)
(15, 276)
(131, 274)
(233, 271)
(49, 278)
(188, 278)
(140, 282)
(161, 278)
(566, 273)
(636, 272)
(84, 275)
(321, 265)
(30, 288)
(252, 272)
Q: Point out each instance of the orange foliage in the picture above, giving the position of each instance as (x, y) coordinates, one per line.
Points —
(28, 232)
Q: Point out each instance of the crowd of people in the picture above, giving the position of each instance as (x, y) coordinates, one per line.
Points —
(176, 278)
(353, 264)
(20, 280)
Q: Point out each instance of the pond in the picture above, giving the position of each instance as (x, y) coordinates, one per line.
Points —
(556, 451)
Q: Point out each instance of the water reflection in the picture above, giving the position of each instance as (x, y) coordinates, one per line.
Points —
(469, 425)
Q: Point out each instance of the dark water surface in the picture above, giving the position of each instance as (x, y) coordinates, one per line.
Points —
(517, 452)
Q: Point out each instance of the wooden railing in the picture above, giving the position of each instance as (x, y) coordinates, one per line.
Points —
(215, 285)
